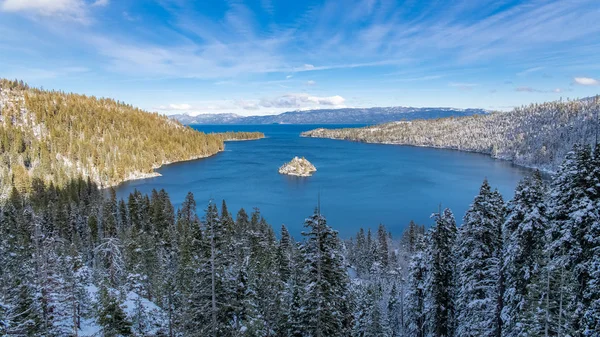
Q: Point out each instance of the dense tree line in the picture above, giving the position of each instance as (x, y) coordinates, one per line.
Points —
(529, 267)
(74, 260)
(77, 261)
(56, 136)
(538, 135)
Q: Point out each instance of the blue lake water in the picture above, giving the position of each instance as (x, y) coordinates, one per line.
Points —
(361, 185)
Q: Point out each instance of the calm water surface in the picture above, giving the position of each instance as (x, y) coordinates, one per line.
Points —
(361, 185)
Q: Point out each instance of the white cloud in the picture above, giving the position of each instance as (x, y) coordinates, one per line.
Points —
(62, 9)
(586, 81)
(311, 82)
(71, 10)
(247, 105)
(182, 106)
(288, 77)
(301, 101)
(309, 67)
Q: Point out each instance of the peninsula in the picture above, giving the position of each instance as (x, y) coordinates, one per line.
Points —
(53, 136)
(536, 136)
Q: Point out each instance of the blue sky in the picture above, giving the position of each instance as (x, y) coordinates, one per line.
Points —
(267, 56)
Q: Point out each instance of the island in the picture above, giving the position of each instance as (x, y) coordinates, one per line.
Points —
(298, 167)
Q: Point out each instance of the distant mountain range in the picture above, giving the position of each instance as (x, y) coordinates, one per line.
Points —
(331, 116)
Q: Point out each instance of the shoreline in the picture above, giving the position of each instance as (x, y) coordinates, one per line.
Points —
(544, 171)
(140, 176)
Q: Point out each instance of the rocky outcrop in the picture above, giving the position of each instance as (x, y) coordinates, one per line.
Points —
(298, 167)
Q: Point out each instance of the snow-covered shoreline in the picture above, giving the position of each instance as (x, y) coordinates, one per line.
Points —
(544, 170)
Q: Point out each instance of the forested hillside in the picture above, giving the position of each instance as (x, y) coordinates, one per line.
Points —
(538, 135)
(58, 136)
(78, 262)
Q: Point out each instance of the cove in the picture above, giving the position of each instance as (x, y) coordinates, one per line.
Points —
(360, 185)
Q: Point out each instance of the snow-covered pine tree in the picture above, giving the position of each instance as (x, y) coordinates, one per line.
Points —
(284, 255)
(441, 275)
(54, 289)
(394, 312)
(382, 249)
(245, 317)
(263, 273)
(592, 293)
(111, 316)
(285, 262)
(193, 287)
(22, 309)
(415, 310)
(360, 259)
(325, 311)
(523, 252)
(574, 241)
(479, 266)
(369, 317)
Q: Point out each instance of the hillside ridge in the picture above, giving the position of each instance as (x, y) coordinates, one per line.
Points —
(55, 136)
(536, 136)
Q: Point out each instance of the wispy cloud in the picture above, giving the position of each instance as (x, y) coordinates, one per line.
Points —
(463, 86)
(100, 3)
(526, 89)
(530, 89)
(75, 10)
(415, 79)
(529, 71)
(256, 48)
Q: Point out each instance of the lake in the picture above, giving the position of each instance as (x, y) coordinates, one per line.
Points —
(360, 185)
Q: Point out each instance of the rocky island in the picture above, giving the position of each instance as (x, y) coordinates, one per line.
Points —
(298, 167)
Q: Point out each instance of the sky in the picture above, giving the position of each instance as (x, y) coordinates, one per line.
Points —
(269, 56)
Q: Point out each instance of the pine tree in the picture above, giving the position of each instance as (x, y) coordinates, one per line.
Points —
(382, 248)
(284, 255)
(524, 242)
(479, 266)
(111, 316)
(361, 249)
(369, 320)
(394, 311)
(441, 275)
(415, 323)
(591, 294)
(574, 243)
(326, 280)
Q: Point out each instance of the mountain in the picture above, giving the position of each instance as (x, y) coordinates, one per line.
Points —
(331, 116)
(54, 136)
(538, 135)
